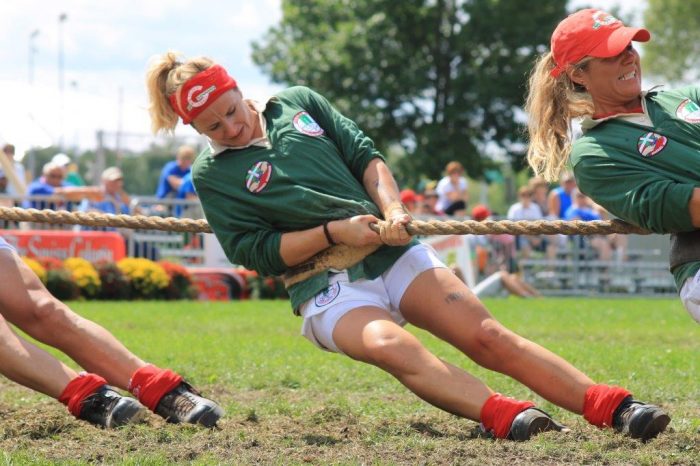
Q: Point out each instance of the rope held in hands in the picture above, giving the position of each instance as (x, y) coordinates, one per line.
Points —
(337, 257)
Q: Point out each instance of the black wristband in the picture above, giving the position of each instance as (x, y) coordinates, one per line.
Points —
(329, 238)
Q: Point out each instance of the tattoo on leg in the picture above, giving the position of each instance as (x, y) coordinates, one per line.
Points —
(454, 297)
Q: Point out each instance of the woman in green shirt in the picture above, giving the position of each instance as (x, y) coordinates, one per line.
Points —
(282, 181)
(639, 156)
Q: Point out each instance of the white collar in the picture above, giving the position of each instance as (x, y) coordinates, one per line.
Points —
(642, 118)
(262, 141)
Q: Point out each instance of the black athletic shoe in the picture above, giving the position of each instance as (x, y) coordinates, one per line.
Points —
(184, 404)
(640, 420)
(531, 422)
(107, 408)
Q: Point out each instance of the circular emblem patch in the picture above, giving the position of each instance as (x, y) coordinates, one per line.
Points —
(688, 111)
(328, 295)
(651, 144)
(305, 124)
(258, 176)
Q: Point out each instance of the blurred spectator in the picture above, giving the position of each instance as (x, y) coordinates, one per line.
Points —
(452, 191)
(495, 262)
(525, 209)
(73, 177)
(430, 199)
(174, 171)
(412, 201)
(560, 198)
(617, 242)
(582, 209)
(3, 182)
(185, 192)
(9, 152)
(114, 200)
(540, 189)
(50, 183)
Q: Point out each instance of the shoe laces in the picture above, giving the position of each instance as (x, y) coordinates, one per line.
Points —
(182, 401)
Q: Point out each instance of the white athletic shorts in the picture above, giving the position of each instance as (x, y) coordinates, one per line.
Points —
(690, 296)
(322, 312)
(5, 245)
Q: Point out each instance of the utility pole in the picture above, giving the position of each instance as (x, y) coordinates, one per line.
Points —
(32, 51)
(61, 77)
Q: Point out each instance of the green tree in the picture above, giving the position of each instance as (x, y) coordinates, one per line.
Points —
(674, 50)
(440, 79)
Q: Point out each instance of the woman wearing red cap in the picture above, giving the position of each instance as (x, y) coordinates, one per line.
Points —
(285, 179)
(639, 156)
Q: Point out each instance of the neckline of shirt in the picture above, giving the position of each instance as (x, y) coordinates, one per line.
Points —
(262, 141)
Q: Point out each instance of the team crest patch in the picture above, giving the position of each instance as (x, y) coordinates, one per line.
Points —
(305, 124)
(258, 176)
(601, 18)
(651, 144)
(328, 295)
(688, 111)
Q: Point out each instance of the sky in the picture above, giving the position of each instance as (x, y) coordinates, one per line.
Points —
(106, 47)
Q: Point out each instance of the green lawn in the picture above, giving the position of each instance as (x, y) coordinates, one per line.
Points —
(288, 402)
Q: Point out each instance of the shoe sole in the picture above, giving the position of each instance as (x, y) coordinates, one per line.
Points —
(536, 426)
(654, 427)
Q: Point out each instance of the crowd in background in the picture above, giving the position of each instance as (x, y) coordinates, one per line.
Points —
(61, 186)
(449, 198)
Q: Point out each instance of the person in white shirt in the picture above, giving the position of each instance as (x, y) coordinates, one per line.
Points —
(452, 191)
(526, 210)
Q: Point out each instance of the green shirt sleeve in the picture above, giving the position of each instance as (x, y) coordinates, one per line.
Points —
(356, 148)
(642, 197)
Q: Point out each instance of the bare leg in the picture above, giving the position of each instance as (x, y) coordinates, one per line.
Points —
(369, 335)
(31, 366)
(25, 302)
(438, 302)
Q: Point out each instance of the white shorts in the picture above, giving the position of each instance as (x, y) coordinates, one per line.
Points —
(690, 296)
(5, 245)
(322, 312)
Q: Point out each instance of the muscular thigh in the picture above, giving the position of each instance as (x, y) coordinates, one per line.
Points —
(20, 286)
(441, 303)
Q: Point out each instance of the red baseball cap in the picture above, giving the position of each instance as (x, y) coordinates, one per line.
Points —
(407, 195)
(480, 212)
(591, 33)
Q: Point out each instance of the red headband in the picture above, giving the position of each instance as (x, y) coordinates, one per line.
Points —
(200, 91)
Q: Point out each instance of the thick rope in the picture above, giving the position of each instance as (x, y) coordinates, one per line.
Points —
(97, 219)
(416, 227)
(338, 257)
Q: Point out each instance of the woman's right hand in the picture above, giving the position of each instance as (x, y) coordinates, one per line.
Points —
(354, 231)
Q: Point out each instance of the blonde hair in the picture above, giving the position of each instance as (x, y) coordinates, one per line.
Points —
(551, 105)
(164, 76)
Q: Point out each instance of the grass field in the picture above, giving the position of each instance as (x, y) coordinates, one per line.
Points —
(289, 403)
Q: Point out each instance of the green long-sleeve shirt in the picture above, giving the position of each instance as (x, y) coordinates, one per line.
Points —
(646, 174)
(310, 171)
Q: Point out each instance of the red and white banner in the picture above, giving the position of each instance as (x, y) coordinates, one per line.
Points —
(90, 245)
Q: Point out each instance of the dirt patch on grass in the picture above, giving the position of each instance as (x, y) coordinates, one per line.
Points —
(322, 432)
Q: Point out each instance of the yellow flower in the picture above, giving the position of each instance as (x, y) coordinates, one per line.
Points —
(84, 274)
(146, 277)
(36, 267)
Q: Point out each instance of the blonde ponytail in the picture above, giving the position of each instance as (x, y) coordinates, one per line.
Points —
(551, 105)
(165, 75)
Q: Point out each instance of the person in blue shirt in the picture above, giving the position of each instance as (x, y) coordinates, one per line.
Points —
(174, 171)
(185, 192)
(50, 183)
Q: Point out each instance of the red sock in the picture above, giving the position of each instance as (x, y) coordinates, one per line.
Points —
(78, 389)
(150, 383)
(600, 403)
(498, 413)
